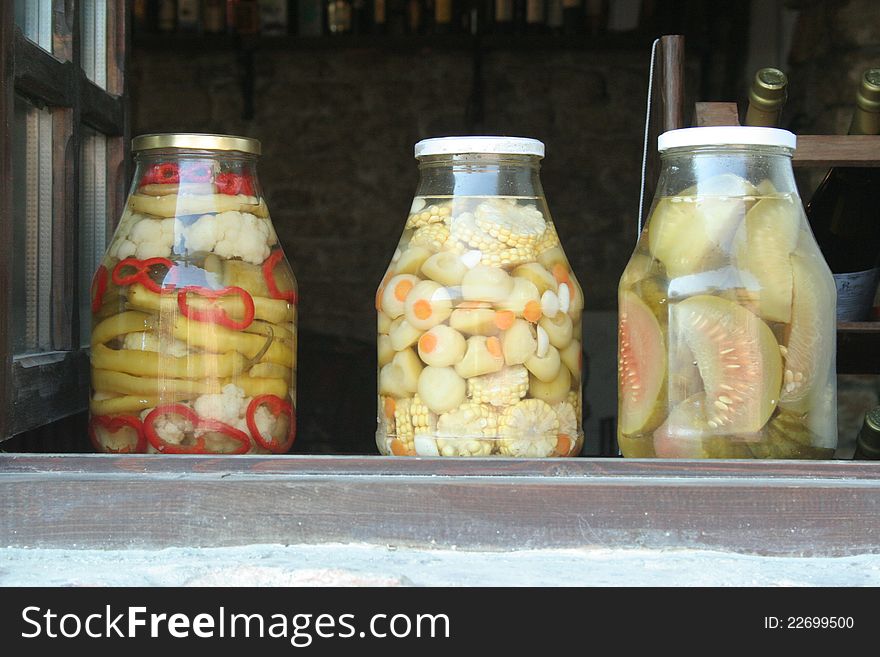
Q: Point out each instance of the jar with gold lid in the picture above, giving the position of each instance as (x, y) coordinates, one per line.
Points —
(193, 342)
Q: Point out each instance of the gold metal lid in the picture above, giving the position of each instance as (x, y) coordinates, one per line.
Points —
(872, 420)
(768, 89)
(196, 141)
(868, 96)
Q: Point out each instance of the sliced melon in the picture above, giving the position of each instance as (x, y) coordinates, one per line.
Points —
(738, 358)
(765, 242)
(641, 363)
(686, 230)
(810, 338)
(686, 434)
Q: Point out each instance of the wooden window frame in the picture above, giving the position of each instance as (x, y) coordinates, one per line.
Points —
(39, 388)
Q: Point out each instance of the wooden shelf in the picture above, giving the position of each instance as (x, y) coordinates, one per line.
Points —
(824, 508)
(837, 150)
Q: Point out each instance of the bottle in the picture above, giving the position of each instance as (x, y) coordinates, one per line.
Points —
(359, 17)
(844, 216)
(597, 16)
(442, 16)
(396, 17)
(868, 440)
(247, 17)
(536, 16)
(554, 16)
(414, 17)
(140, 17)
(310, 18)
(503, 16)
(214, 17)
(339, 16)
(273, 17)
(379, 22)
(572, 16)
(167, 15)
(766, 98)
(188, 16)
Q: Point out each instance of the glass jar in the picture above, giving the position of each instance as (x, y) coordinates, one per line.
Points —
(194, 308)
(727, 327)
(479, 313)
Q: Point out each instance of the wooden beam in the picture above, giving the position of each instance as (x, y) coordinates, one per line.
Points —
(712, 114)
(762, 507)
(7, 101)
(47, 387)
(837, 151)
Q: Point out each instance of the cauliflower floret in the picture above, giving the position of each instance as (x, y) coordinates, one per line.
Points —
(170, 428)
(147, 238)
(228, 406)
(231, 235)
(122, 247)
(148, 341)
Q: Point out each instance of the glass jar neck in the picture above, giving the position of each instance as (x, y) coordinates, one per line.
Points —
(766, 168)
(231, 172)
(480, 175)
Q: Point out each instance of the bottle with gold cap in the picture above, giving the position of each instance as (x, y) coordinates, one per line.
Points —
(193, 343)
(767, 96)
(868, 440)
(844, 214)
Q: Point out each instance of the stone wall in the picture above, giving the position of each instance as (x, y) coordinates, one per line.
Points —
(338, 127)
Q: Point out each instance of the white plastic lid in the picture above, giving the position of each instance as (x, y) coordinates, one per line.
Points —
(727, 135)
(483, 144)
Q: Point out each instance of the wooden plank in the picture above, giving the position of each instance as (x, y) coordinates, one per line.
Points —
(837, 151)
(711, 114)
(64, 227)
(47, 387)
(673, 81)
(7, 99)
(786, 508)
(101, 110)
(41, 77)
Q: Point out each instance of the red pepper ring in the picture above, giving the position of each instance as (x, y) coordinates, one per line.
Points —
(277, 407)
(213, 314)
(99, 288)
(112, 424)
(141, 272)
(198, 422)
(269, 266)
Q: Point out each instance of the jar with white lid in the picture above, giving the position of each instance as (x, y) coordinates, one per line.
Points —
(727, 327)
(479, 312)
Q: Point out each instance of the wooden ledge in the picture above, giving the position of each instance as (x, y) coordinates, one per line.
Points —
(763, 507)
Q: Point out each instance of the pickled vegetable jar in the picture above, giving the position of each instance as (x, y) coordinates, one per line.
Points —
(479, 313)
(194, 308)
(727, 308)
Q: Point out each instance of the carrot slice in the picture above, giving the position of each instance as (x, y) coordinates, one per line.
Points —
(422, 309)
(402, 289)
(493, 344)
(399, 448)
(560, 273)
(427, 343)
(532, 311)
(504, 319)
(390, 407)
(563, 444)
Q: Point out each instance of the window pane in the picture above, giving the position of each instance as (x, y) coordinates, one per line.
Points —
(34, 17)
(93, 196)
(32, 228)
(93, 18)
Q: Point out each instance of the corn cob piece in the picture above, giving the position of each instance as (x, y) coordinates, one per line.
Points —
(548, 240)
(469, 430)
(513, 225)
(528, 428)
(423, 420)
(465, 230)
(508, 257)
(433, 214)
(500, 388)
(431, 237)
